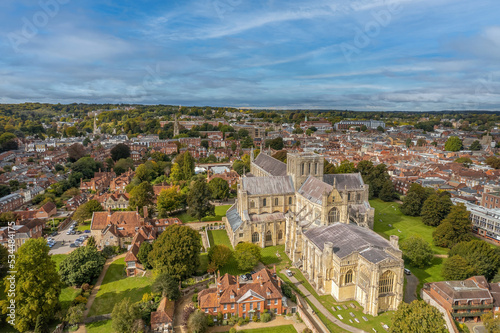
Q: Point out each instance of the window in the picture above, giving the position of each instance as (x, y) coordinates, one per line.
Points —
(269, 236)
(225, 306)
(268, 302)
(243, 307)
(215, 309)
(358, 197)
(255, 237)
(206, 310)
(348, 196)
(264, 202)
(315, 168)
(241, 235)
(252, 204)
(258, 306)
(333, 215)
(251, 306)
(348, 277)
(276, 301)
(276, 202)
(232, 306)
(290, 200)
(280, 234)
(302, 169)
(225, 315)
(386, 282)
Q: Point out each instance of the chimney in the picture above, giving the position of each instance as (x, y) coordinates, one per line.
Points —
(279, 282)
(237, 283)
(109, 211)
(145, 208)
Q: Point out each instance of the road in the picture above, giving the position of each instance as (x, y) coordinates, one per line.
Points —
(411, 288)
(59, 248)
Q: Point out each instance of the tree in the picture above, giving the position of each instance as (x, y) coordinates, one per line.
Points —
(493, 162)
(124, 316)
(168, 200)
(91, 241)
(75, 152)
(219, 188)
(241, 167)
(435, 209)
(199, 200)
(188, 166)
(365, 168)
(453, 144)
(85, 211)
(219, 255)
(465, 161)
(123, 165)
(86, 141)
(247, 255)
(143, 253)
(276, 144)
(197, 322)
(176, 172)
(416, 251)
(456, 268)
(476, 145)
(71, 131)
(387, 191)
(454, 228)
(41, 325)
(417, 317)
(408, 143)
(411, 204)
(4, 260)
(345, 167)
(483, 259)
(380, 129)
(120, 151)
(421, 142)
(143, 173)
(8, 141)
(83, 265)
(491, 322)
(167, 286)
(75, 314)
(176, 251)
(142, 196)
(37, 284)
(87, 166)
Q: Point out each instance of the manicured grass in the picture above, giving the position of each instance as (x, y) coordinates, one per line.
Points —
(269, 257)
(429, 274)
(83, 226)
(217, 237)
(275, 329)
(67, 296)
(58, 258)
(220, 212)
(388, 213)
(202, 269)
(116, 286)
(100, 327)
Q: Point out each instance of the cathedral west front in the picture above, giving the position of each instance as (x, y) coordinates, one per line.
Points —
(325, 223)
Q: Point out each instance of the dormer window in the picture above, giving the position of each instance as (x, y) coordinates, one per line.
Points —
(232, 296)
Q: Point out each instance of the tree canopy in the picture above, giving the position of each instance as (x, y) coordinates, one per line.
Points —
(416, 251)
(198, 200)
(83, 265)
(167, 286)
(176, 251)
(247, 255)
(417, 317)
(85, 211)
(436, 208)
(453, 144)
(219, 188)
(480, 257)
(120, 151)
(142, 196)
(454, 228)
(168, 201)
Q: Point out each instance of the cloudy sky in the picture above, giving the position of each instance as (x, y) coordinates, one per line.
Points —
(347, 54)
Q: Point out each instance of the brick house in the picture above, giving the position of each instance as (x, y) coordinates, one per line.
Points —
(47, 210)
(119, 183)
(232, 298)
(162, 320)
(11, 202)
(23, 230)
(144, 234)
(113, 200)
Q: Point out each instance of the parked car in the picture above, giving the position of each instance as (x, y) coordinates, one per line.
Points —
(69, 232)
(87, 231)
(244, 277)
(54, 234)
(407, 271)
(73, 245)
(289, 272)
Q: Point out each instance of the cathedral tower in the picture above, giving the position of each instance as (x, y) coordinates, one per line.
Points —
(300, 165)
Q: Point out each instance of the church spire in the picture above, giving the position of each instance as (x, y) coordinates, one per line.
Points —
(176, 124)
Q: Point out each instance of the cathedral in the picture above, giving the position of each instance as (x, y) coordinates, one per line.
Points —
(325, 223)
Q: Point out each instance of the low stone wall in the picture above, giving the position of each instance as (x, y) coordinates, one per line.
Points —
(302, 307)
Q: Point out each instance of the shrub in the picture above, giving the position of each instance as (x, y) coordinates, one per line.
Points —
(232, 330)
(80, 300)
(210, 320)
(85, 286)
(241, 321)
(255, 318)
(307, 330)
(195, 298)
(265, 317)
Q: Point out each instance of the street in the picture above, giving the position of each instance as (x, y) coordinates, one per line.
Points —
(58, 248)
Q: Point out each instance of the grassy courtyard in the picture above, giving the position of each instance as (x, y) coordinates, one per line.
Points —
(84, 226)
(116, 286)
(217, 237)
(100, 327)
(220, 212)
(275, 329)
(389, 213)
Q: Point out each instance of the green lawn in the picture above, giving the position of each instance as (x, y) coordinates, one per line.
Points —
(275, 329)
(58, 258)
(220, 212)
(67, 296)
(116, 286)
(83, 226)
(202, 269)
(217, 237)
(100, 327)
(389, 213)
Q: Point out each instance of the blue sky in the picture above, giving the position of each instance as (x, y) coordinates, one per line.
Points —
(349, 54)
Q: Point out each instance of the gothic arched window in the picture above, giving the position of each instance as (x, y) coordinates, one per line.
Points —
(333, 215)
(348, 277)
(252, 204)
(280, 234)
(386, 282)
(276, 201)
(255, 237)
(269, 236)
(264, 202)
(290, 200)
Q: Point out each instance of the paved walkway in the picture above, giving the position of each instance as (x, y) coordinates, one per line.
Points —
(95, 290)
(411, 288)
(321, 308)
